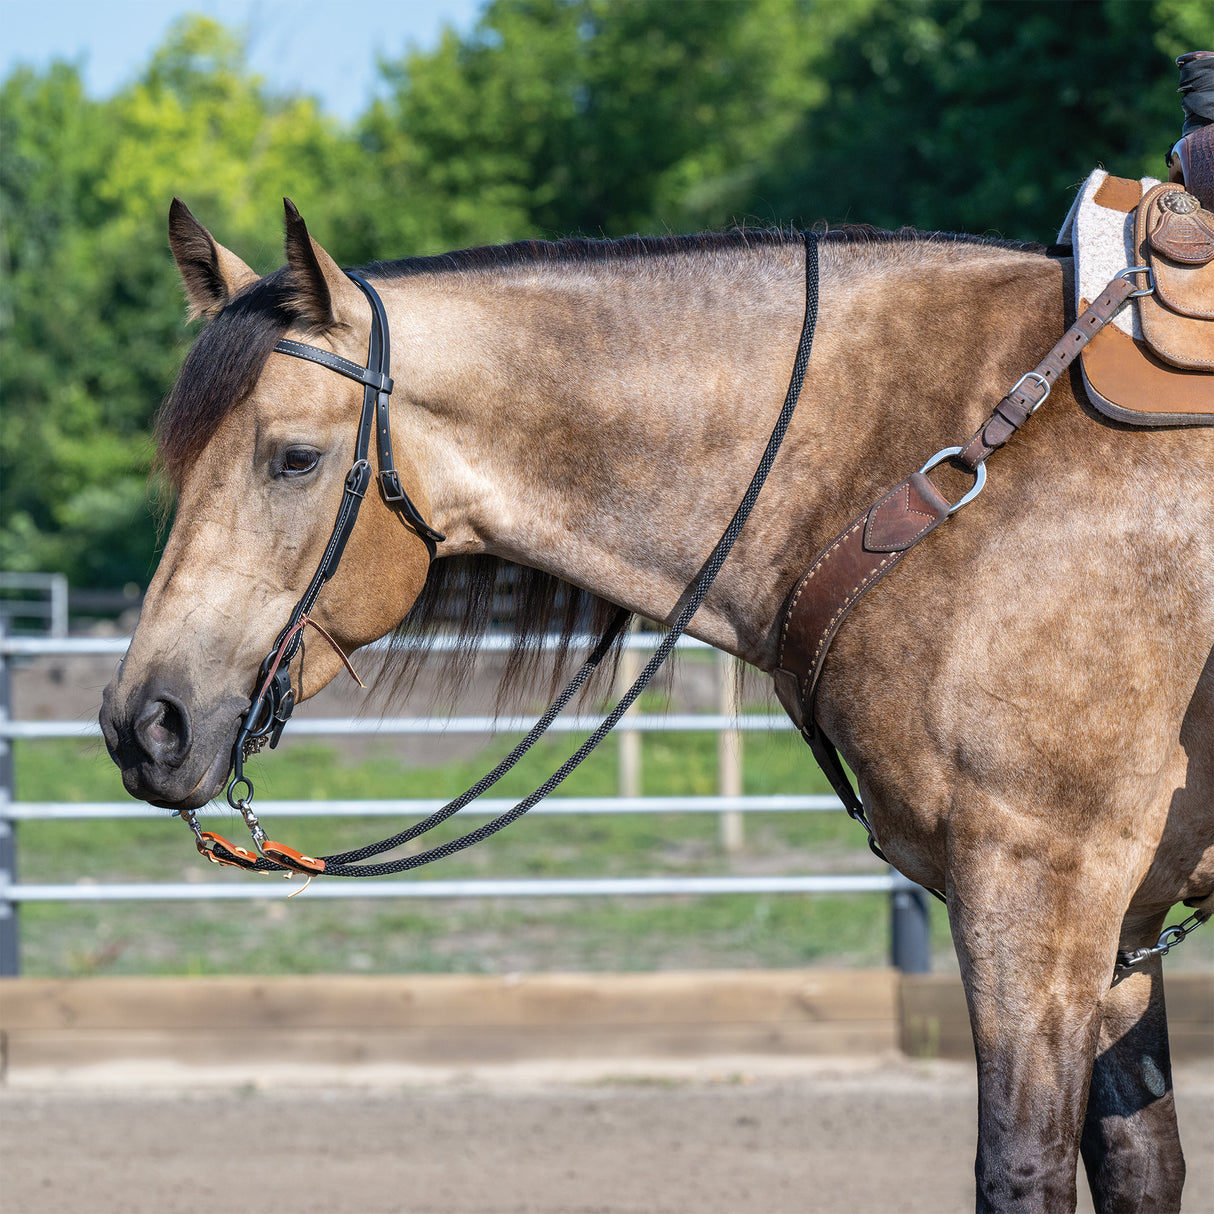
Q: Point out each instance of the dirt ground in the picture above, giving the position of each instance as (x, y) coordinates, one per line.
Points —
(731, 1136)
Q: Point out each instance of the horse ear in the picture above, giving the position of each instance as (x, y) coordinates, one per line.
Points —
(321, 293)
(210, 273)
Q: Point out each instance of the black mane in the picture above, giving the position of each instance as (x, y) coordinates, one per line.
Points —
(221, 369)
(227, 359)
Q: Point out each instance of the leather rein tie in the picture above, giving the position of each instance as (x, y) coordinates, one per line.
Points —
(274, 700)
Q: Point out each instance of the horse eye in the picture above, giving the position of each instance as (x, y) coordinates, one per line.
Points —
(297, 461)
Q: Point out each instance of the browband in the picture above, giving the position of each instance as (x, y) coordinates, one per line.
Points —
(377, 387)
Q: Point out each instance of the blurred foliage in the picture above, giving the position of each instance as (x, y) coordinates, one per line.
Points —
(599, 117)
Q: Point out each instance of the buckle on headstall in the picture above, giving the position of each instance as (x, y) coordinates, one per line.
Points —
(390, 486)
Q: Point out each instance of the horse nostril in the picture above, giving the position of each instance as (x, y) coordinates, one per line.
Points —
(163, 730)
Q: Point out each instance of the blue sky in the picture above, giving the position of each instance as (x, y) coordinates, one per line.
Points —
(326, 47)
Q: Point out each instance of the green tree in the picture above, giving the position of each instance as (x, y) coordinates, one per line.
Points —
(598, 116)
(91, 317)
(552, 117)
(73, 461)
(983, 117)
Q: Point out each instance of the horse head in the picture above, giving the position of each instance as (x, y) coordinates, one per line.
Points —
(257, 446)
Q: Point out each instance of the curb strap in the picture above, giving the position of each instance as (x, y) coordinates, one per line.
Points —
(308, 621)
(875, 542)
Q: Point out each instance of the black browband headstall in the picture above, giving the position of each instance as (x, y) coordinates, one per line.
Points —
(274, 697)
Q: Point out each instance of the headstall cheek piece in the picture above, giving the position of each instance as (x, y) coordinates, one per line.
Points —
(274, 699)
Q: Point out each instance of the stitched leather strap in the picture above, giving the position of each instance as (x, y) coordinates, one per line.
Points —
(875, 542)
(858, 558)
(1031, 390)
(343, 366)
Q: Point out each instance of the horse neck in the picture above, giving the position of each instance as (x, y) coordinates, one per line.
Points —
(601, 422)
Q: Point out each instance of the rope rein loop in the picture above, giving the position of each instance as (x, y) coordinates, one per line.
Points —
(266, 716)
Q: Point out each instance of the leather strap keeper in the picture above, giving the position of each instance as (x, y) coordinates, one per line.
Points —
(863, 554)
(288, 857)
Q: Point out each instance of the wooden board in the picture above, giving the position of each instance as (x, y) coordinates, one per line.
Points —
(767, 996)
(448, 1018)
(935, 1022)
(451, 1018)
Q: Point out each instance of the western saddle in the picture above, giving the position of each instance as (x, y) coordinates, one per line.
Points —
(1167, 378)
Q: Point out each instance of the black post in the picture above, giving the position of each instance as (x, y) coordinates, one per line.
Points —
(910, 934)
(10, 946)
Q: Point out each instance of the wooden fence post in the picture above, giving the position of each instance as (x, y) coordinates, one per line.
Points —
(629, 778)
(729, 754)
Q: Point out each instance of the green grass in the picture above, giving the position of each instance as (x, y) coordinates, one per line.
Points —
(273, 935)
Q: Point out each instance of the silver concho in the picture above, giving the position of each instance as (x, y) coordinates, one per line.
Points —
(1179, 202)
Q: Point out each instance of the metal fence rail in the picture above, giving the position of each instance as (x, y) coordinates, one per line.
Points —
(47, 613)
(540, 887)
(340, 726)
(29, 811)
(908, 902)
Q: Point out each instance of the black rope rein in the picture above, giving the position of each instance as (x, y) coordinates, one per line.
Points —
(347, 864)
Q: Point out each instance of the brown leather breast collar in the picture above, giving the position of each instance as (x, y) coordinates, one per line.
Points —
(874, 543)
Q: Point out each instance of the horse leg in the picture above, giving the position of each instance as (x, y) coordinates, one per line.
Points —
(1130, 1144)
(1036, 934)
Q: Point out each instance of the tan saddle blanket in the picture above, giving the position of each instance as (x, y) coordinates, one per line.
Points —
(1154, 364)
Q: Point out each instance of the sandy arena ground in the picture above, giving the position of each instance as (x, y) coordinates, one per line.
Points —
(729, 1136)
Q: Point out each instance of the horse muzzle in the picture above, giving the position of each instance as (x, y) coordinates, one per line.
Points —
(169, 755)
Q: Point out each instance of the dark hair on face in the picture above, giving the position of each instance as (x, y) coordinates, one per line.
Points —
(221, 369)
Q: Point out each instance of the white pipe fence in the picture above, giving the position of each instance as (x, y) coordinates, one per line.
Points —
(47, 613)
(909, 912)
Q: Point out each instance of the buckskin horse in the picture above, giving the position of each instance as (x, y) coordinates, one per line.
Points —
(1027, 702)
